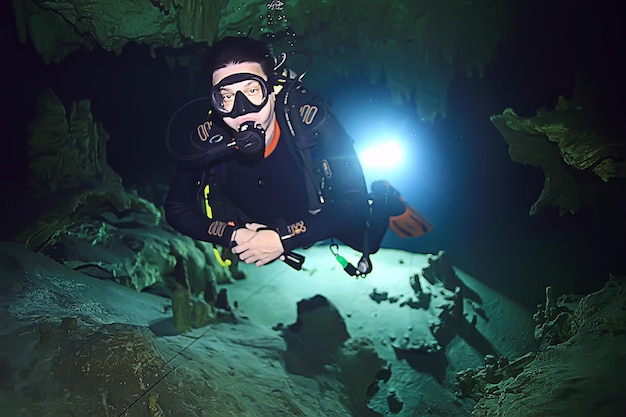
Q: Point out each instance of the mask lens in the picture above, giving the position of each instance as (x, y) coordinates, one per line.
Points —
(239, 94)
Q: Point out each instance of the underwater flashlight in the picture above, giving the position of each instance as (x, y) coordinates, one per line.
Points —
(385, 154)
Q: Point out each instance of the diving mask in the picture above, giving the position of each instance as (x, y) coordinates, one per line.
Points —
(240, 94)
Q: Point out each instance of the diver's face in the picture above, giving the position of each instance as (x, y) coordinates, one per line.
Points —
(265, 116)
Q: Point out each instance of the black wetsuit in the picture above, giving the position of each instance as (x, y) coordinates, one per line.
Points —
(272, 191)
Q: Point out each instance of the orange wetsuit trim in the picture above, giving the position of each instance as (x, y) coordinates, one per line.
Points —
(272, 145)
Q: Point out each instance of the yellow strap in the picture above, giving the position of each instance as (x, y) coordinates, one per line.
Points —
(209, 213)
(223, 263)
(207, 206)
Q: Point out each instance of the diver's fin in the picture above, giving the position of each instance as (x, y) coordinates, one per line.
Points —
(409, 224)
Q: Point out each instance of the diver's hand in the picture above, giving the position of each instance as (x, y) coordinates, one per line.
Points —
(241, 235)
(261, 248)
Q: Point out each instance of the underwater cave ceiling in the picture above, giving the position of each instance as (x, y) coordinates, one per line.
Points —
(350, 39)
(347, 37)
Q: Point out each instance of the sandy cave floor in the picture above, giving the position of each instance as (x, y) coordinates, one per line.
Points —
(269, 296)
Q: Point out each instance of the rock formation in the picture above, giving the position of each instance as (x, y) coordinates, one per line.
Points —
(439, 38)
(571, 148)
(576, 372)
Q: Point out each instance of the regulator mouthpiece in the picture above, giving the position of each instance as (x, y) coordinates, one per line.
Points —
(250, 139)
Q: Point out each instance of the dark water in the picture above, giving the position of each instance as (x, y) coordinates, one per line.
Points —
(460, 176)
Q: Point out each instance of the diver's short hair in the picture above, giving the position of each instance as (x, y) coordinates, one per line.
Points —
(234, 49)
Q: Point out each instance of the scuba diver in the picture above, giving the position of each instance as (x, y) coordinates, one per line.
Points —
(270, 169)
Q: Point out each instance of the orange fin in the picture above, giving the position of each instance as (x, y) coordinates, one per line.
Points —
(409, 224)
